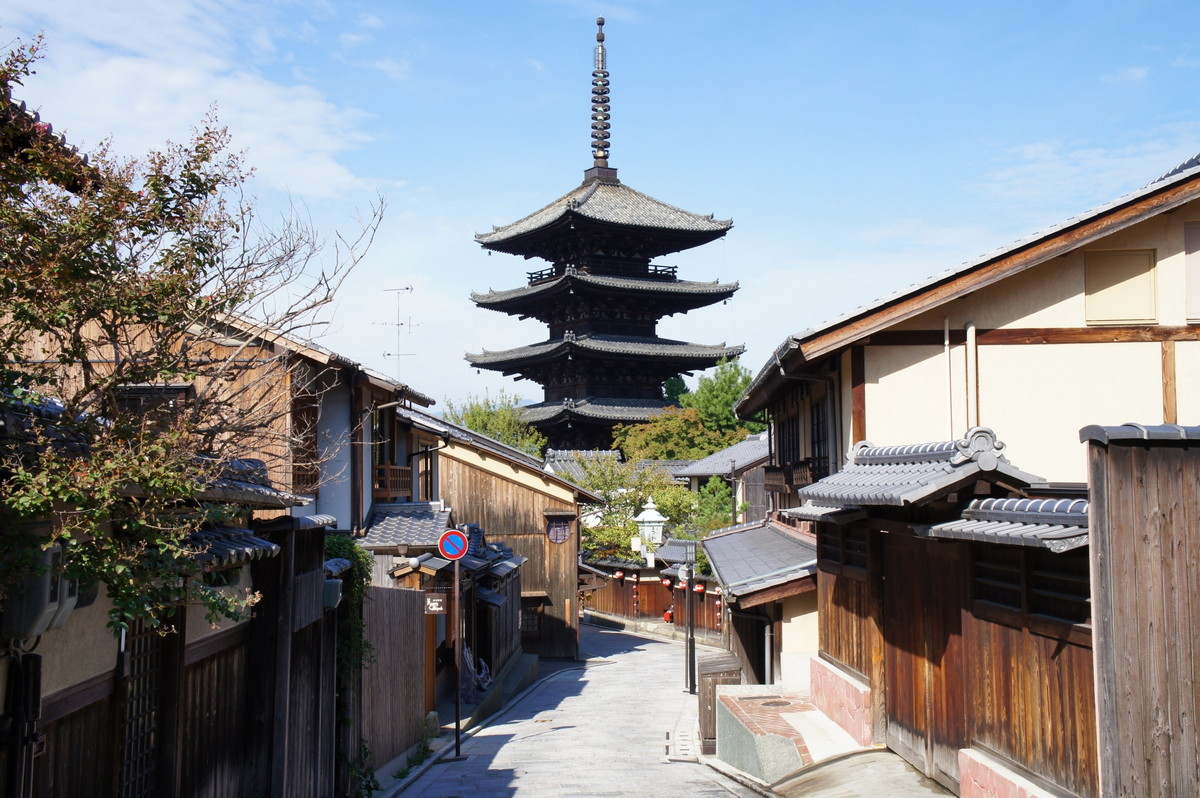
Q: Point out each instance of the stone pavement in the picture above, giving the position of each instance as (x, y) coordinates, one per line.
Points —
(620, 724)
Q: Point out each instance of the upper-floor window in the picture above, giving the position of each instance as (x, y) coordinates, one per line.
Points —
(1119, 287)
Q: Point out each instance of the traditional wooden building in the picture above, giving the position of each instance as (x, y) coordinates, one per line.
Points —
(603, 362)
(743, 466)
(511, 495)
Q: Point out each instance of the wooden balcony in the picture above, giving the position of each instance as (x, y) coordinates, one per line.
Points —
(392, 483)
(786, 478)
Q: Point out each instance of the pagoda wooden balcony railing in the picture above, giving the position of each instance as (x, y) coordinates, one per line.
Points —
(652, 270)
(392, 483)
(788, 477)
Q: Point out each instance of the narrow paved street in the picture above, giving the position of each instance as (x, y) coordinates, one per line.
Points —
(620, 724)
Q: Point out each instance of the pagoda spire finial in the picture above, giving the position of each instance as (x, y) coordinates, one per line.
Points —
(600, 106)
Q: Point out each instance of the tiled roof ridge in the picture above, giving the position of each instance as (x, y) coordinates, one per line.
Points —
(1033, 510)
(979, 444)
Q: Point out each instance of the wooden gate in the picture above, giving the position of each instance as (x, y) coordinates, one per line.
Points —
(923, 597)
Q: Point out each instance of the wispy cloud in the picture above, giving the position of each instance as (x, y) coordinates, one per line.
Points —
(1129, 76)
(370, 21)
(535, 64)
(148, 76)
(397, 70)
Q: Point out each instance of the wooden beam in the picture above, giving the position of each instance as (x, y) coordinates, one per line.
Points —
(858, 393)
(1131, 333)
(1169, 393)
(778, 593)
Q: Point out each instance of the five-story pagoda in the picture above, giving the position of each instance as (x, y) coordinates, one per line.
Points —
(603, 363)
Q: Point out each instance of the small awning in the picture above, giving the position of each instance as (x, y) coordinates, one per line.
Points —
(1056, 524)
(228, 547)
(491, 597)
(820, 512)
(506, 567)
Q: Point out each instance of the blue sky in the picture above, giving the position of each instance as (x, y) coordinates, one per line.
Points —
(857, 147)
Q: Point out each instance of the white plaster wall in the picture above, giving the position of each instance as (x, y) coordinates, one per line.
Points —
(333, 443)
(1037, 398)
(800, 641)
(80, 649)
(1187, 381)
(906, 394)
(198, 627)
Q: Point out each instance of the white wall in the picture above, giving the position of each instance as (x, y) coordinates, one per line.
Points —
(800, 641)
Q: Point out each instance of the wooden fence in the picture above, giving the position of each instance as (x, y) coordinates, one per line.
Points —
(393, 684)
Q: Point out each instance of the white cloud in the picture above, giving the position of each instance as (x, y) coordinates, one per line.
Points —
(351, 41)
(535, 64)
(145, 72)
(397, 70)
(1128, 76)
(370, 21)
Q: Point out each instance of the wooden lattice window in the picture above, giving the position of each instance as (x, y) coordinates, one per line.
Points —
(1026, 587)
(843, 549)
(139, 724)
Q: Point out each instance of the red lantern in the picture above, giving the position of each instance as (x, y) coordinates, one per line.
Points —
(666, 580)
(633, 577)
(699, 588)
(619, 575)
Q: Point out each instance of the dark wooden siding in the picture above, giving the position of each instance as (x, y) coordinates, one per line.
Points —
(514, 513)
(846, 631)
(79, 760)
(1145, 532)
(393, 684)
(1031, 702)
(213, 724)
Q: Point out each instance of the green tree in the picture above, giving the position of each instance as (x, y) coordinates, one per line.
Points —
(716, 395)
(498, 418)
(121, 273)
(677, 434)
(674, 388)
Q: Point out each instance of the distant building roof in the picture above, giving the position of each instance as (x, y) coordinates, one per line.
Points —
(900, 475)
(566, 462)
(750, 558)
(751, 452)
(1056, 524)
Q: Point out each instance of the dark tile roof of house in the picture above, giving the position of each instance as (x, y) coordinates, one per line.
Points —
(752, 451)
(1056, 524)
(757, 556)
(901, 475)
(566, 462)
(415, 524)
(219, 547)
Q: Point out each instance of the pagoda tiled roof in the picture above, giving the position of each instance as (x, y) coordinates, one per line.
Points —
(608, 202)
(607, 345)
(621, 411)
(713, 291)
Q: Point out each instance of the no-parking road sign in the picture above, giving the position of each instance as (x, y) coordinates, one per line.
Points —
(452, 544)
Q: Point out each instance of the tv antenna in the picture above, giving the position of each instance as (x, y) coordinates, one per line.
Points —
(398, 324)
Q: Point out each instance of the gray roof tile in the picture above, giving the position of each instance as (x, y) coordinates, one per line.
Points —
(900, 475)
(612, 203)
(1056, 524)
(638, 284)
(417, 524)
(754, 450)
(627, 411)
(753, 557)
(607, 345)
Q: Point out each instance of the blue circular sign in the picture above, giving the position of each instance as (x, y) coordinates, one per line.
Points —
(452, 544)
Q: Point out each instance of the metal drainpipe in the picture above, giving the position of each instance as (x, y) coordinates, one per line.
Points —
(769, 652)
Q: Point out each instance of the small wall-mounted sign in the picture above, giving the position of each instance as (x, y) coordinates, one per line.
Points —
(435, 603)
